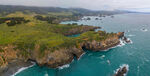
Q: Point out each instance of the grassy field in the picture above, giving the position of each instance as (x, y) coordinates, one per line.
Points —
(48, 36)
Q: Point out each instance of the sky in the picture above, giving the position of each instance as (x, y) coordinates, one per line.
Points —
(135, 5)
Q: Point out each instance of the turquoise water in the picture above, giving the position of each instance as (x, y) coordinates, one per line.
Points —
(136, 55)
(74, 35)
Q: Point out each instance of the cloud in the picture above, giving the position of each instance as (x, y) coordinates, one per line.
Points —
(90, 4)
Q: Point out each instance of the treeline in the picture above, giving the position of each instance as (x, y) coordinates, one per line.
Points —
(51, 20)
(57, 19)
(11, 21)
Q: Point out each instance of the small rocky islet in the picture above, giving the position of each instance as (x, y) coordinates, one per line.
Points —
(46, 43)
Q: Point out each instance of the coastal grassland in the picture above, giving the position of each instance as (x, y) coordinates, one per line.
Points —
(92, 35)
(48, 36)
(25, 37)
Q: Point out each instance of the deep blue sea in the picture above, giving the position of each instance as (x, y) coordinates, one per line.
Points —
(136, 55)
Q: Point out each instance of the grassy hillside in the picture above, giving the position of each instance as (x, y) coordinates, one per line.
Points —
(40, 37)
(49, 36)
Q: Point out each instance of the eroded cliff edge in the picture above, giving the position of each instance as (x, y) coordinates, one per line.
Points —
(45, 53)
(60, 56)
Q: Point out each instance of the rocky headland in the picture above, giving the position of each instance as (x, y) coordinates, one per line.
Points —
(48, 44)
(11, 57)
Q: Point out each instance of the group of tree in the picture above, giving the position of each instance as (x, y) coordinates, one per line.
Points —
(11, 21)
(51, 20)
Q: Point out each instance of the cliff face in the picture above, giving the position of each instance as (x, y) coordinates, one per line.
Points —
(66, 55)
(103, 45)
(56, 58)
(51, 59)
(59, 57)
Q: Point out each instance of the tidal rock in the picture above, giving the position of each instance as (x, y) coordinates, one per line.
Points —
(121, 71)
(126, 40)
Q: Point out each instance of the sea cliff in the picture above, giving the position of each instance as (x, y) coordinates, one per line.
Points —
(58, 57)
(48, 44)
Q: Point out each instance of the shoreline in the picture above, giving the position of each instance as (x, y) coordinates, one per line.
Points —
(67, 65)
(23, 68)
(15, 67)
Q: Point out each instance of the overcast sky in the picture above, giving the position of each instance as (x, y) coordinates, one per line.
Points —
(139, 5)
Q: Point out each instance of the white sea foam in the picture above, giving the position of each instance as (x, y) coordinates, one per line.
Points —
(123, 65)
(122, 43)
(23, 68)
(131, 42)
(64, 66)
(46, 74)
(67, 65)
(108, 61)
(131, 35)
(81, 56)
(102, 56)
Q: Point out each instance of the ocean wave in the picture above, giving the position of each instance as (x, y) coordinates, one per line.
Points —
(122, 43)
(23, 68)
(46, 74)
(102, 56)
(121, 67)
(81, 56)
(131, 35)
(131, 42)
(68, 65)
(64, 66)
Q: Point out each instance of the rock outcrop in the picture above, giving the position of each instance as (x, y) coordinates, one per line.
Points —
(59, 57)
(121, 71)
(105, 44)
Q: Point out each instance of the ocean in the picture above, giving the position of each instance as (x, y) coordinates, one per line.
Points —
(136, 54)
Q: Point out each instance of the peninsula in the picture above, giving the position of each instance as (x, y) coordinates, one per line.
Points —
(40, 38)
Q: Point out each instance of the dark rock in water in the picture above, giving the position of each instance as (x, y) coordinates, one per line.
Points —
(126, 40)
(96, 18)
(121, 71)
(112, 16)
(88, 18)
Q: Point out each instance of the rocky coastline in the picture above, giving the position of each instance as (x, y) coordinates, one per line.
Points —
(13, 67)
(57, 58)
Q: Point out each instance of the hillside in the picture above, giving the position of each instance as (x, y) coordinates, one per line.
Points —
(7, 9)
